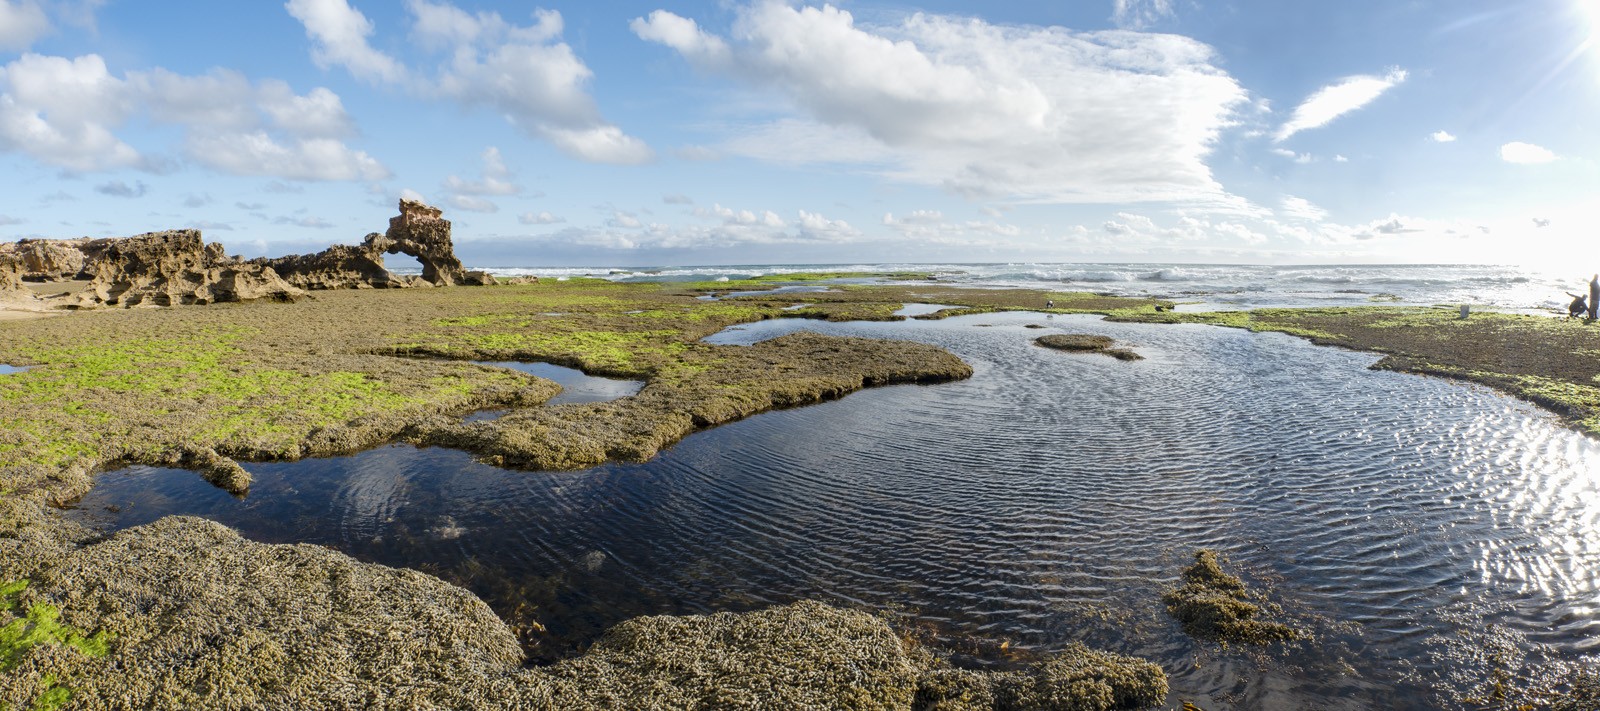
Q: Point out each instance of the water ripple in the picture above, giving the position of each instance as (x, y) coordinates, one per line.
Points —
(1050, 498)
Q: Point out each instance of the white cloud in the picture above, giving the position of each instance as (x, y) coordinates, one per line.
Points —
(65, 112)
(524, 73)
(624, 220)
(318, 114)
(684, 35)
(677, 199)
(1340, 159)
(1525, 153)
(21, 22)
(1140, 13)
(61, 111)
(340, 33)
(1540, 222)
(258, 153)
(496, 178)
(1335, 100)
(1301, 158)
(1442, 137)
(409, 194)
(1302, 209)
(542, 218)
(471, 203)
(1031, 113)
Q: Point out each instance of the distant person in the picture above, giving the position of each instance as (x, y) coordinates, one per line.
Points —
(1594, 296)
(1050, 304)
(1578, 307)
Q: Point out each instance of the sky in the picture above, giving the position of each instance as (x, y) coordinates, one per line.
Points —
(639, 133)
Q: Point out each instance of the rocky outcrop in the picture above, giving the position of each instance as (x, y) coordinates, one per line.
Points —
(178, 268)
(419, 231)
(341, 266)
(55, 260)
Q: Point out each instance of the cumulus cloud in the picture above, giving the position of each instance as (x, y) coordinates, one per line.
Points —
(1028, 113)
(495, 181)
(65, 112)
(1525, 153)
(1302, 209)
(21, 22)
(523, 72)
(1442, 137)
(258, 153)
(339, 36)
(542, 218)
(61, 111)
(1540, 222)
(1335, 100)
(1340, 159)
(1140, 13)
(117, 188)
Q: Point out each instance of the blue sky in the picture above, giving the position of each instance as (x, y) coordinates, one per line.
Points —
(740, 131)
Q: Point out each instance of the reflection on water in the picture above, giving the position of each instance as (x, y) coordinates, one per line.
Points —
(576, 385)
(1050, 498)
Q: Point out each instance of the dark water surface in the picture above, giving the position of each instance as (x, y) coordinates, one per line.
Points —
(1050, 498)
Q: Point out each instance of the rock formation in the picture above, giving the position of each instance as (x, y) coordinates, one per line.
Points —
(341, 266)
(419, 231)
(178, 267)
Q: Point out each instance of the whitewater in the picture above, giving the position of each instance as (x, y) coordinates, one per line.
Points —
(1198, 286)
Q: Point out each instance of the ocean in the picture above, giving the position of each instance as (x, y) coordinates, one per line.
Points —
(1199, 286)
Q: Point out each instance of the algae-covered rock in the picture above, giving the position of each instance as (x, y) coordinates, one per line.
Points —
(1215, 605)
(1086, 343)
(191, 615)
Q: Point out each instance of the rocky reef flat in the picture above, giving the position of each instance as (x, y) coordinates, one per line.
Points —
(174, 371)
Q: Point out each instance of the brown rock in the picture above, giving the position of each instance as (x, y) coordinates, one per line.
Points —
(176, 267)
(341, 266)
(420, 231)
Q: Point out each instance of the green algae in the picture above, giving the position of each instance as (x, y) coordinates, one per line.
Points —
(1215, 605)
(40, 626)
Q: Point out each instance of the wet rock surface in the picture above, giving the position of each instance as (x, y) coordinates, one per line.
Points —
(198, 617)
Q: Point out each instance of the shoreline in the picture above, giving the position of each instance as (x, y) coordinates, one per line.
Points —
(649, 332)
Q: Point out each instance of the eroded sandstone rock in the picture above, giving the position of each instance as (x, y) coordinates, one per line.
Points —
(177, 267)
(419, 231)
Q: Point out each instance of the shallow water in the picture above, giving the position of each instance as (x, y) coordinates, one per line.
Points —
(922, 309)
(1050, 498)
(10, 369)
(576, 385)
